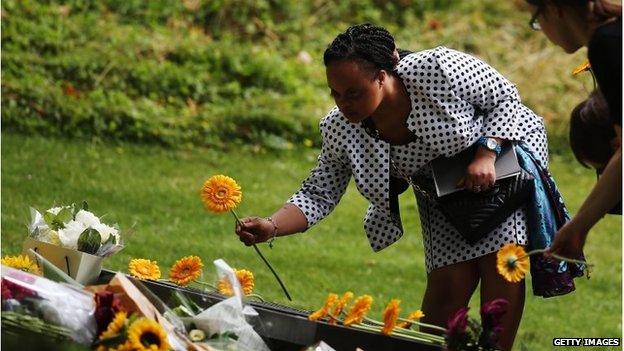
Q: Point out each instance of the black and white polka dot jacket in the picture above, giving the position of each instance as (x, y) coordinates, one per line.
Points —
(447, 89)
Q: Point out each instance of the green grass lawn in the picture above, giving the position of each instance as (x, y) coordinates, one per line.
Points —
(158, 189)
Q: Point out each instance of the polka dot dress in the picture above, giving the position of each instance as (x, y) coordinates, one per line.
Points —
(455, 99)
(443, 244)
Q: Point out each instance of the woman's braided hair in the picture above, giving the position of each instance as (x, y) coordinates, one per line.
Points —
(366, 43)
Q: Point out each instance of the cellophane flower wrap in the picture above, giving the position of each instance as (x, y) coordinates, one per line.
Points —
(54, 303)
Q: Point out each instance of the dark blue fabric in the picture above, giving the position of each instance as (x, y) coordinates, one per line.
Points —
(546, 213)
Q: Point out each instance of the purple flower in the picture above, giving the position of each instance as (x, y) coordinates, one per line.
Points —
(492, 312)
(491, 315)
(458, 323)
(456, 335)
(107, 304)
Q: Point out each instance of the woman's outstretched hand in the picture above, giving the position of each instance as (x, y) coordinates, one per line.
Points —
(253, 230)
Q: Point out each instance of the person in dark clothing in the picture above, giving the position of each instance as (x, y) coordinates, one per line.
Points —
(592, 138)
(597, 25)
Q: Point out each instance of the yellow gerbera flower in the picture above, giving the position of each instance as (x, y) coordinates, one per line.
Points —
(360, 308)
(337, 310)
(390, 316)
(585, 66)
(221, 194)
(21, 262)
(144, 269)
(245, 278)
(147, 335)
(512, 262)
(115, 326)
(323, 311)
(185, 270)
(414, 316)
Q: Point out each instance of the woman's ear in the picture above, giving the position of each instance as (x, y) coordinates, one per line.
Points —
(381, 77)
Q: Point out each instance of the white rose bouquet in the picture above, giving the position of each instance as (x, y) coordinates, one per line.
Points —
(74, 227)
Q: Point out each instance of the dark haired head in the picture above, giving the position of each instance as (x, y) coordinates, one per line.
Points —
(603, 9)
(368, 44)
(591, 131)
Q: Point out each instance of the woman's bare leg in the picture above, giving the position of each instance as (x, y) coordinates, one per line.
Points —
(449, 288)
(494, 286)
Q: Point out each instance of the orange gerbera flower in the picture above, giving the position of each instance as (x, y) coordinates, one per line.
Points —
(144, 269)
(185, 270)
(585, 66)
(245, 278)
(323, 311)
(360, 308)
(390, 316)
(414, 316)
(337, 310)
(512, 262)
(221, 194)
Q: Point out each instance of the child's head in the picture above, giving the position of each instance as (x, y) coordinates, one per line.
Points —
(592, 137)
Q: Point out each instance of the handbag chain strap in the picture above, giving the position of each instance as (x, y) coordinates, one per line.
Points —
(409, 181)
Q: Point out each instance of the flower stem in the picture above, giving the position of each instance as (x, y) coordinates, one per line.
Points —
(273, 271)
(372, 321)
(256, 296)
(266, 262)
(561, 258)
(206, 284)
(405, 335)
(436, 327)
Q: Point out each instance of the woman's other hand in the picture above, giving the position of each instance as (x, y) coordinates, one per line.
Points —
(569, 241)
(481, 173)
(253, 230)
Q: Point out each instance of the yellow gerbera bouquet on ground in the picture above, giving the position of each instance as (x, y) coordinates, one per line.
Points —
(334, 311)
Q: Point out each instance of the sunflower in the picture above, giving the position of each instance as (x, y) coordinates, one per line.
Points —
(390, 316)
(585, 66)
(115, 326)
(323, 311)
(221, 194)
(360, 307)
(414, 316)
(121, 347)
(337, 310)
(21, 262)
(245, 278)
(145, 334)
(512, 262)
(185, 270)
(144, 269)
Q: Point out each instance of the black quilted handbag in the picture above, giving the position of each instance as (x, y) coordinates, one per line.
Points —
(474, 215)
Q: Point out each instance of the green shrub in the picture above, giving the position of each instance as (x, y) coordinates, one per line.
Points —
(209, 73)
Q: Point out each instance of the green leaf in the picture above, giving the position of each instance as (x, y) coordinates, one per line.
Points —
(89, 241)
(65, 215)
(48, 217)
(85, 205)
